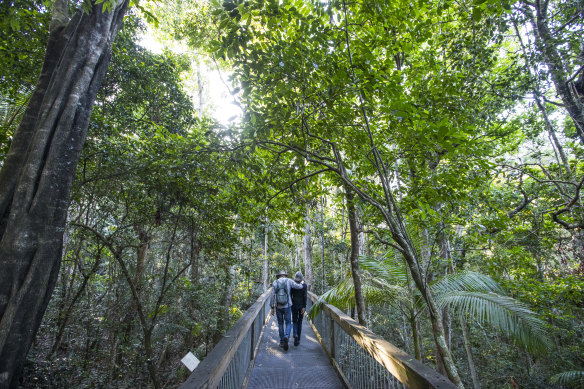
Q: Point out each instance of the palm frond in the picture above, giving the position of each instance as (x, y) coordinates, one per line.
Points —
(11, 110)
(503, 313)
(466, 281)
(341, 296)
(391, 269)
(574, 377)
(415, 235)
(375, 291)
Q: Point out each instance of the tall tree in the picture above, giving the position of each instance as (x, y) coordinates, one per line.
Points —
(38, 172)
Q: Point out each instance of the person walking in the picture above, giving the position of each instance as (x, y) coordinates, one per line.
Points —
(281, 303)
(298, 306)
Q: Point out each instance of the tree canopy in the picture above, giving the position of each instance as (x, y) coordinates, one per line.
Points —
(420, 162)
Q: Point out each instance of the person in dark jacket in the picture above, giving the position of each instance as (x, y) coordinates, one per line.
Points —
(283, 309)
(298, 306)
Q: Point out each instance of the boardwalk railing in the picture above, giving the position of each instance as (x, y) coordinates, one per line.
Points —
(365, 360)
(228, 363)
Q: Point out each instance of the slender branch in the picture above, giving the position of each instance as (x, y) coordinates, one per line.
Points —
(553, 102)
(524, 203)
(296, 181)
(567, 207)
(385, 242)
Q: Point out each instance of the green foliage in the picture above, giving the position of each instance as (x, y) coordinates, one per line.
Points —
(441, 90)
(23, 38)
(11, 111)
(572, 378)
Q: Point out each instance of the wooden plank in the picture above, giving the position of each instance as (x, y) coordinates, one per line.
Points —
(408, 370)
(210, 371)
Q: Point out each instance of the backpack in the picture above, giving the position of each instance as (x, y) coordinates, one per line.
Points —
(281, 294)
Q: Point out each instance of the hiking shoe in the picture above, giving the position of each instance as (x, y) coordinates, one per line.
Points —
(296, 341)
(286, 344)
(282, 344)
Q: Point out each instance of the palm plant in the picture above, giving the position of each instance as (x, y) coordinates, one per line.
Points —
(574, 378)
(466, 293)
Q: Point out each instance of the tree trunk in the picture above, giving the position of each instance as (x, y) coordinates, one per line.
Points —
(141, 253)
(195, 254)
(578, 247)
(225, 303)
(38, 173)
(556, 66)
(445, 254)
(200, 90)
(355, 249)
(414, 324)
(308, 251)
(266, 268)
(322, 244)
(467, 346)
(563, 159)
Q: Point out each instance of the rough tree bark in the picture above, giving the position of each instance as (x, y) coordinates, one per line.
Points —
(38, 172)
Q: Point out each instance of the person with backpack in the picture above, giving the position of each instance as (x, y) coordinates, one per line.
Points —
(281, 303)
(298, 306)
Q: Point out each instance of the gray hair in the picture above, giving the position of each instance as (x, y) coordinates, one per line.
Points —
(298, 277)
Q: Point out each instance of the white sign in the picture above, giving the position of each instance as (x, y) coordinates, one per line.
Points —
(190, 361)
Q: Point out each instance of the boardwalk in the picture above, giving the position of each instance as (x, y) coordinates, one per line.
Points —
(305, 366)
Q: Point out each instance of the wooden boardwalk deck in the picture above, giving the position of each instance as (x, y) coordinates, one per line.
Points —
(304, 366)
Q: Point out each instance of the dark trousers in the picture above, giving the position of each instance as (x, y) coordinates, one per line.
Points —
(297, 320)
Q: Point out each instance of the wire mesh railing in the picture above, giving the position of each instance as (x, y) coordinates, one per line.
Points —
(228, 364)
(365, 360)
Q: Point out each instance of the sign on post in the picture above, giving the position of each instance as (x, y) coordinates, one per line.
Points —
(190, 361)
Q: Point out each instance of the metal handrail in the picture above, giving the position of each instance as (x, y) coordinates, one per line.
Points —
(228, 363)
(365, 360)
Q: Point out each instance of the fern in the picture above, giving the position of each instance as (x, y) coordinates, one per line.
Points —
(575, 378)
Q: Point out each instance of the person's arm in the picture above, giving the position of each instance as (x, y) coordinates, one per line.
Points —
(272, 300)
(294, 284)
(305, 292)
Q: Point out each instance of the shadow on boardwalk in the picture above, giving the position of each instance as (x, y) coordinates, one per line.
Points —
(304, 366)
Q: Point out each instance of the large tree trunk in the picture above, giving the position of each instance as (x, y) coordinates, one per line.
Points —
(38, 172)
(355, 249)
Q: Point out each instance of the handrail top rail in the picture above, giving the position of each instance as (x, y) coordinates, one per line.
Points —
(400, 364)
(211, 369)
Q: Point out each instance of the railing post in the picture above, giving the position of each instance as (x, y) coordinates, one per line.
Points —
(332, 338)
(252, 340)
